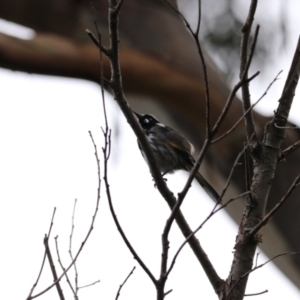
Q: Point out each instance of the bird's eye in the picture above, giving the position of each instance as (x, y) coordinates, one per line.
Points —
(146, 121)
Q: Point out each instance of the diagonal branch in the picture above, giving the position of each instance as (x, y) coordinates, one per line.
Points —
(53, 270)
(247, 111)
(244, 67)
(44, 258)
(121, 286)
(289, 150)
(270, 214)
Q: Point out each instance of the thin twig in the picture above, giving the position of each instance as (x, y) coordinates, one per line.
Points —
(195, 35)
(44, 258)
(276, 207)
(244, 67)
(286, 127)
(213, 212)
(97, 42)
(63, 268)
(121, 286)
(232, 170)
(53, 270)
(88, 233)
(88, 285)
(119, 227)
(257, 267)
(168, 292)
(70, 249)
(256, 294)
(246, 112)
(247, 168)
(289, 150)
(231, 98)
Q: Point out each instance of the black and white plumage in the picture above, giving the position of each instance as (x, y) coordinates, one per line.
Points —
(171, 150)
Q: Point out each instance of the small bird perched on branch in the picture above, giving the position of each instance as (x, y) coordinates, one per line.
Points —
(172, 150)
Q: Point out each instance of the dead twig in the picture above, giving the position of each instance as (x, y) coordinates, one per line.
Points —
(258, 267)
(289, 150)
(70, 250)
(44, 258)
(88, 233)
(53, 270)
(121, 286)
(246, 112)
(63, 268)
(271, 213)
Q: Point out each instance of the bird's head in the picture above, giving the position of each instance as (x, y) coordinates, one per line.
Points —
(147, 121)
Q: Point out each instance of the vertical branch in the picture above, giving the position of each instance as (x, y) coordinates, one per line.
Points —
(70, 249)
(44, 258)
(265, 157)
(63, 268)
(244, 66)
(195, 35)
(53, 270)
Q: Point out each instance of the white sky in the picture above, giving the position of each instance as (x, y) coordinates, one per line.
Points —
(47, 161)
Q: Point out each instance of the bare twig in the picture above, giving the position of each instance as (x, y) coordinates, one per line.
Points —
(213, 212)
(256, 294)
(289, 150)
(230, 99)
(257, 267)
(105, 150)
(97, 42)
(207, 141)
(195, 35)
(199, 18)
(88, 233)
(246, 112)
(121, 286)
(53, 270)
(63, 268)
(44, 258)
(70, 250)
(268, 216)
(88, 285)
(244, 67)
(286, 127)
(232, 170)
(168, 292)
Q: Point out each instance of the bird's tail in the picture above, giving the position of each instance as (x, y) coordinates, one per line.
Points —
(207, 187)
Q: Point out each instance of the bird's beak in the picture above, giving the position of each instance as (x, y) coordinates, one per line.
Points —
(137, 115)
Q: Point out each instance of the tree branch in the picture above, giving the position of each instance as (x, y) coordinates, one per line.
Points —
(53, 270)
(44, 258)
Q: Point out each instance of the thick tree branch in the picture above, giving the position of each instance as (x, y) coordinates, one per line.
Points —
(265, 161)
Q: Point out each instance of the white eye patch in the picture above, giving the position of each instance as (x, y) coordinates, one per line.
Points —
(146, 121)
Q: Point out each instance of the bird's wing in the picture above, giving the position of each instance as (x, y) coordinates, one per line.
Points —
(180, 144)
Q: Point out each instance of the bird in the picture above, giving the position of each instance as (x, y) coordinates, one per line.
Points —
(171, 149)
